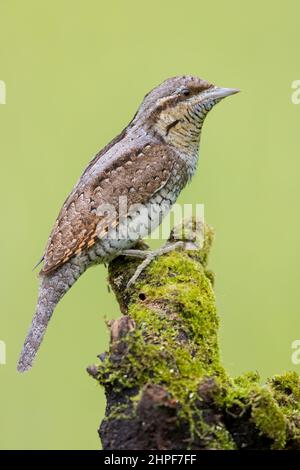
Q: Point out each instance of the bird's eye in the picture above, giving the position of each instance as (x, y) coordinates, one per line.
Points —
(186, 92)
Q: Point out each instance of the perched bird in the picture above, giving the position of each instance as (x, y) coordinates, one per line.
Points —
(149, 164)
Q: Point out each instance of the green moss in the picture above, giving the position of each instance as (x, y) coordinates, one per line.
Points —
(121, 411)
(286, 390)
(268, 417)
(273, 408)
(188, 292)
(176, 333)
(232, 395)
(175, 344)
(222, 439)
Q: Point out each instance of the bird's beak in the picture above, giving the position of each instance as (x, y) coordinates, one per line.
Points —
(218, 93)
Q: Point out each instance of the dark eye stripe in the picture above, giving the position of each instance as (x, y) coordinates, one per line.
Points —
(169, 127)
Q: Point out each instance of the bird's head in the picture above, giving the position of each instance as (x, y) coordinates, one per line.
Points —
(177, 108)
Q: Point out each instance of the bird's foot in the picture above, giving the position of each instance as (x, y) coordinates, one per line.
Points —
(148, 257)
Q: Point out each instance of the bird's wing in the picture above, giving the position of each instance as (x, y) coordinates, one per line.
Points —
(137, 175)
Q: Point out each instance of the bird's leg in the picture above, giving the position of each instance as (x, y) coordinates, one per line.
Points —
(142, 254)
(148, 257)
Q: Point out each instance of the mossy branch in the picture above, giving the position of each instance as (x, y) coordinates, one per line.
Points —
(165, 385)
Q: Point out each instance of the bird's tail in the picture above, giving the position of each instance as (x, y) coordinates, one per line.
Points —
(53, 286)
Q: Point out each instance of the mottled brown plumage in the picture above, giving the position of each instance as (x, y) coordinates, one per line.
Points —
(137, 175)
(149, 164)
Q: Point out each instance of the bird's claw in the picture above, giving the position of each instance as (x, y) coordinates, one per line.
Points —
(149, 256)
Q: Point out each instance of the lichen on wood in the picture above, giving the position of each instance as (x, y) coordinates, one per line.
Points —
(165, 385)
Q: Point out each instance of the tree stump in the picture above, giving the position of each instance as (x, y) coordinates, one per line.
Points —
(165, 385)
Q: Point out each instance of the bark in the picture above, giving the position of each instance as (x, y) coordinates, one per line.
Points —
(165, 385)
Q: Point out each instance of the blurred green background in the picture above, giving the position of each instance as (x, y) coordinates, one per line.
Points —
(75, 74)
